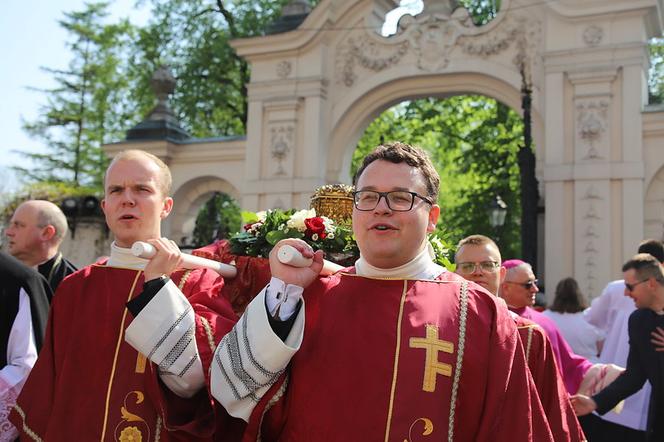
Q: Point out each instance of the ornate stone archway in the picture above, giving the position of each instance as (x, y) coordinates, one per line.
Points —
(314, 89)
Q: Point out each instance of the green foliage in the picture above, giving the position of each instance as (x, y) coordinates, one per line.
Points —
(482, 11)
(192, 36)
(656, 72)
(473, 142)
(219, 218)
(87, 108)
(53, 191)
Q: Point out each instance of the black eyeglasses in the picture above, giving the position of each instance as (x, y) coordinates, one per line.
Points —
(631, 287)
(525, 285)
(470, 267)
(397, 200)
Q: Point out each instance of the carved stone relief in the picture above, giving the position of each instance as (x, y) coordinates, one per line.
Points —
(281, 144)
(591, 219)
(431, 37)
(592, 123)
(284, 69)
(593, 35)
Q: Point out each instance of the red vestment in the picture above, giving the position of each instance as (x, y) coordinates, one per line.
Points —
(403, 360)
(548, 381)
(89, 384)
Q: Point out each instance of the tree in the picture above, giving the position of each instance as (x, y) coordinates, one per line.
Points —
(473, 142)
(87, 108)
(219, 218)
(193, 38)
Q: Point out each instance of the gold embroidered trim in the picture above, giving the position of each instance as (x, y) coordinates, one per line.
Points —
(115, 357)
(396, 361)
(27, 430)
(463, 317)
(530, 341)
(208, 332)
(278, 395)
(157, 429)
(183, 279)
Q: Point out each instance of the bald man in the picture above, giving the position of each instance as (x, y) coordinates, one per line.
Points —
(34, 235)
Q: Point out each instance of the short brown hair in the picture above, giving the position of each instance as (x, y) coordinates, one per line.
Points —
(476, 240)
(166, 180)
(645, 266)
(397, 152)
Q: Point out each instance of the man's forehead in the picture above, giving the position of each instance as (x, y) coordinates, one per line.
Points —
(478, 252)
(386, 175)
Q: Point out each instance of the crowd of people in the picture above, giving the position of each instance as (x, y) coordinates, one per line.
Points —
(395, 347)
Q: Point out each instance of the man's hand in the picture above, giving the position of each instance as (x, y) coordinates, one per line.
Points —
(658, 338)
(300, 276)
(583, 404)
(167, 259)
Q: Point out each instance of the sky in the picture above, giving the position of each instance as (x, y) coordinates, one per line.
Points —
(30, 38)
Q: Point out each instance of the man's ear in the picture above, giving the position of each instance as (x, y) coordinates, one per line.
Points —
(503, 273)
(167, 208)
(434, 213)
(47, 233)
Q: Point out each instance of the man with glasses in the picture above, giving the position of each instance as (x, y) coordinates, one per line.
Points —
(518, 290)
(478, 259)
(393, 346)
(610, 313)
(644, 283)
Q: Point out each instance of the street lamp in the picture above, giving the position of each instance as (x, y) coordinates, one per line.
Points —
(497, 211)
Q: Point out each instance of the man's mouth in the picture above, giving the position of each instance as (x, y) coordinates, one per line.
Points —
(382, 227)
(127, 217)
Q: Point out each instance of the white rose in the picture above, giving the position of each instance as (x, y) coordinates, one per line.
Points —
(296, 220)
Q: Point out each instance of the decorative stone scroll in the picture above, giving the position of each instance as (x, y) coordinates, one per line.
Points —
(591, 219)
(592, 122)
(430, 38)
(281, 144)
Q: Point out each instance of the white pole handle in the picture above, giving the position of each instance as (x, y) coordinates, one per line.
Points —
(147, 251)
(289, 255)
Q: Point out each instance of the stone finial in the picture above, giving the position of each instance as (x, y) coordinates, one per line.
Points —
(161, 122)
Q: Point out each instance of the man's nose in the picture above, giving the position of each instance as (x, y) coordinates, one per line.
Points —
(382, 205)
(128, 198)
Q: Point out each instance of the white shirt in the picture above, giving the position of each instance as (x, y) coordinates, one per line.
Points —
(610, 313)
(579, 334)
(21, 357)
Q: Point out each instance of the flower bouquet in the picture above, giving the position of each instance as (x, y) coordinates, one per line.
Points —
(262, 230)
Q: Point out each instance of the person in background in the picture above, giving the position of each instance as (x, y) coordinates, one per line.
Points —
(567, 312)
(610, 313)
(478, 259)
(24, 297)
(644, 283)
(35, 232)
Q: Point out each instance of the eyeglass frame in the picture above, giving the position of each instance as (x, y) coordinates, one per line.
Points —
(495, 264)
(526, 285)
(387, 201)
(631, 287)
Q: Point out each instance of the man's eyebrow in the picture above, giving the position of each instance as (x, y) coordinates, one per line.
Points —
(403, 189)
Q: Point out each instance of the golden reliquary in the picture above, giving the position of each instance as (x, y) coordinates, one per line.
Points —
(334, 201)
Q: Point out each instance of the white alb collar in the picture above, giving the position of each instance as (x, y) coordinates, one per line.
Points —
(420, 267)
(122, 257)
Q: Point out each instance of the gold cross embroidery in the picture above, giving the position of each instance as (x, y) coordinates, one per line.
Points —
(432, 367)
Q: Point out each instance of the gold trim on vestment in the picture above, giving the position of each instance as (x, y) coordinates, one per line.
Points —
(273, 400)
(208, 333)
(396, 361)
(463, 316)
(529, 341)
(183, 279)
(27, 430)
(115, 357)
